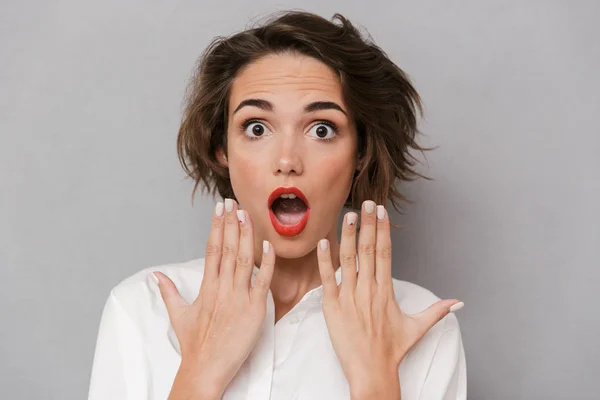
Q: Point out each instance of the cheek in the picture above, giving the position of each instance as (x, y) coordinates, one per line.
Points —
(245, 174)
(336, 181)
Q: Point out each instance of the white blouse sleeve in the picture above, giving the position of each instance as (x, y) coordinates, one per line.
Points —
(119, 370)
(447, 375)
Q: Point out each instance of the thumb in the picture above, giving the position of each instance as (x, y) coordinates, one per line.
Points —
(432, 315)
(170, 295)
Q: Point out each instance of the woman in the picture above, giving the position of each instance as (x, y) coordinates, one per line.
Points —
(290, 121)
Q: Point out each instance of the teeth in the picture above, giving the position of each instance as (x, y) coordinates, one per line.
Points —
(288, 196)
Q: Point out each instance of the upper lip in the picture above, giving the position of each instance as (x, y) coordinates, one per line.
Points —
(287, 190)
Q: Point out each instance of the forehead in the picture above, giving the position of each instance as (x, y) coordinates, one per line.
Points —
(291, 75)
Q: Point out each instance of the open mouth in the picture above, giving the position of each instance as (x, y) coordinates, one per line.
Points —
(289, 210)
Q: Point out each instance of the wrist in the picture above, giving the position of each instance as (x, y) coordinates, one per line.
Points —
(381, 387)
(191, 384)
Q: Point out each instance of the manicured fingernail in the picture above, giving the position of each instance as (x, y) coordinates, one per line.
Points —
(219, 209)
(457, 306)
(380, 213)
(154, 277)
(241, 216)
(323, 244)
(369, 207)
(266, 246)
(229, 205)
(351, 219)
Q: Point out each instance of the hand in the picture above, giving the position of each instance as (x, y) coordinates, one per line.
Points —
(369, 332)
(217, 332)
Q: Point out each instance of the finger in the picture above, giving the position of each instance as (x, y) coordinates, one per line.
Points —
(366, 245)
(434, 313)
(330, 289)
(348, 253)
(231, 238)
(383, 258)
(214, 244)
(245, 257)
(265, 274)
(170, 295)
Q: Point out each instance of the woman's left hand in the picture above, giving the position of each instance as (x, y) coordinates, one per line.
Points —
(369, 332)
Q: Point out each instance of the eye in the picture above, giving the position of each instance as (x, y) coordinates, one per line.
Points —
(254, 129)
(324, 128)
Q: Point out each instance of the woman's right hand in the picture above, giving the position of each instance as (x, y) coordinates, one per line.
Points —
(217, 332)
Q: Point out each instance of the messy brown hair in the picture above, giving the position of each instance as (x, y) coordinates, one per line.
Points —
(380, 96)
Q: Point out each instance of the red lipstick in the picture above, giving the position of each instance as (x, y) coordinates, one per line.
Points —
(282, 229)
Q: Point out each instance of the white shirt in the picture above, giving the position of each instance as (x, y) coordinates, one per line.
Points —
(137, 354)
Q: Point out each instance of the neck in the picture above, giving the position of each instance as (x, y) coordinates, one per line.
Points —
(294, 277)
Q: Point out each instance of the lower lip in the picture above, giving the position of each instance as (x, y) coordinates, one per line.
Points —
(289, 230)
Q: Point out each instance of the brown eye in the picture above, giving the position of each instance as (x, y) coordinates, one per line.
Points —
(258, 130)
(323, 131)
(254, 130)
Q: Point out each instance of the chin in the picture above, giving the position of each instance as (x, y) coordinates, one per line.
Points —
(291, 248)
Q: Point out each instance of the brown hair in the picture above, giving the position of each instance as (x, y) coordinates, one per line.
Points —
(379, 94)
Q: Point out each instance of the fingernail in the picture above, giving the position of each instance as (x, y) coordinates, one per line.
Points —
(229, 205)
(241, 216)
(369, 207)
(154, 277)
(265, 246)
(323, 244)
(219, 209)
(351, 219)
(380, 213)
(457, 306)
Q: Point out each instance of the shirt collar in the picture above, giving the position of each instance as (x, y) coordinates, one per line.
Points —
(312, 297)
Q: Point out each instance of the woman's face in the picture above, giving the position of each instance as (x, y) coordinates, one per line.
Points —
(288, 126)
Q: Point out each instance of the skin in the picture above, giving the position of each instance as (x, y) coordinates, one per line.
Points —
(290, 153)
(369, 332)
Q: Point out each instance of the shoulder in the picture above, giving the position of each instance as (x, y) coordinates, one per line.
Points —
(137, 290)
(435, 366)
(413, 299)
(135, 318)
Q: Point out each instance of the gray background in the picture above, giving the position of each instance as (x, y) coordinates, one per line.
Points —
(91, 190)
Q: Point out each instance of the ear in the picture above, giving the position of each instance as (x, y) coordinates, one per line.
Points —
(221, 157)
(359, 164)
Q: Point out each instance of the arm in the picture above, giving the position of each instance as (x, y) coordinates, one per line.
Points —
(119, 367)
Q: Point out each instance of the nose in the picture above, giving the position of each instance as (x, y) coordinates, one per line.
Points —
(288, 155)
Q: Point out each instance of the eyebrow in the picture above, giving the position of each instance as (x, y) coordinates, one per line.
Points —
(267, 106)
